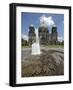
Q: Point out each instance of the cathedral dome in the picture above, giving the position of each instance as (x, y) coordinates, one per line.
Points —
(31, 25)
(43, 25)
(54, 25)
(31, 28)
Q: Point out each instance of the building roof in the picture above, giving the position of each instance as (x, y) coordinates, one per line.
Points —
(54, 25)
(31, 25)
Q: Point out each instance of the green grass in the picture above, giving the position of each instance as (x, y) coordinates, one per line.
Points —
(47, 46)
(26, 46)
(54, 46)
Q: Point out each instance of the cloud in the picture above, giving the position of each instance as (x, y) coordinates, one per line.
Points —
(25, 37)
(60, 39)
(47, 20)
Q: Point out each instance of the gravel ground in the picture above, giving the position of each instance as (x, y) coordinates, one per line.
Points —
(49, 63)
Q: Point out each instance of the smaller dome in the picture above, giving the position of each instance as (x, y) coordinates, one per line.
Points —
(54, 25)
(31, 25)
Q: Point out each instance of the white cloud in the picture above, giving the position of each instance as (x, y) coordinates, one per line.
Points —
(47, 20)
(60, 39)
(25, 37)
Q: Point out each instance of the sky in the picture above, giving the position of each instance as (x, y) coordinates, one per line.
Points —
(37, 18)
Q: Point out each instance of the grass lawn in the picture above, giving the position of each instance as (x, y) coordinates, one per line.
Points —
(26, 46)
(47, 46)
(54, 46)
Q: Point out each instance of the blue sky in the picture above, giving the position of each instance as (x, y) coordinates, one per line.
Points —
(34, 18)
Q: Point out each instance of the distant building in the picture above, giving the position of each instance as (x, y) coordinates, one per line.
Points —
(44, 36)
(31, 34)
(54, 34)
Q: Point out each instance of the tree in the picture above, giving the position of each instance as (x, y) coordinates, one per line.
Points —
(24, 42)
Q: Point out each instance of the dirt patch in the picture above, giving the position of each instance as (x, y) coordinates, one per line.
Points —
(49, 63)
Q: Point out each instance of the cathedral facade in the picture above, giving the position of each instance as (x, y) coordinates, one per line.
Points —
(44, 36)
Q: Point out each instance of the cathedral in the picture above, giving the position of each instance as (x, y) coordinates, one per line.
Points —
(45, 37)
